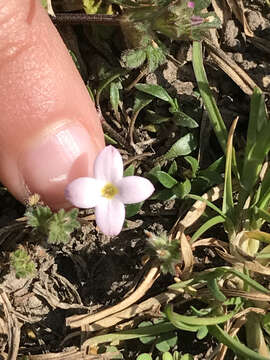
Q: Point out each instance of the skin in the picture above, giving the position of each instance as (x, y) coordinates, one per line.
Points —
(50, 132)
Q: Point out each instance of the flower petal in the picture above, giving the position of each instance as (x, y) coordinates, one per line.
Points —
(108, 165)
(110, 216)
(133, 189)
(84, 192)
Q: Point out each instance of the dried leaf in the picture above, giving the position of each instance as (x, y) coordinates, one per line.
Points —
(238, 9)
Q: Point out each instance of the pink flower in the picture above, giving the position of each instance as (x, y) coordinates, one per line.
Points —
(108, 191)
(191, 4)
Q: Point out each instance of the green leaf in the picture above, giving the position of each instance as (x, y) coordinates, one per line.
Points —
(193, 163)
(113, 349)
(214, 288)
(182, 189)
(133, 58)
(172, 339)
(38, 217)
(61, 225)
(213, 173)
(201, 4)
(228, 205)
(146, 339)
(202, 332)
(133, 209)
(165, 194)
(264, 193)
(116, 74)
(258, 144)
(173, 168)
(155, 118)
(236, 346)
(257, 118)
(207, 96)
(167, 356)
(182, 119)
(144, 356)
(264, 214)
(155, 57)
(152, 174)
(184, 146)
(155, 90)
(114, 96)
(91, 6)
(166, 180)
(141, 100)
(162, 346)
(166, 341)
(187, 357)
(129, 171)
(109, 140)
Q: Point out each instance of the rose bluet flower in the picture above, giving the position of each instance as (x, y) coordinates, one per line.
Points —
(191, 4)
(108, 191)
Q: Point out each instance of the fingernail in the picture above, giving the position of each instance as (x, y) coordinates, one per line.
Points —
(54, 159)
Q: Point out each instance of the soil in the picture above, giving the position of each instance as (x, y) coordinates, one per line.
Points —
(92, 271)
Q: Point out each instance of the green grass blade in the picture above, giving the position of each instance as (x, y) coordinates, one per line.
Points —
(132, 334)
(257, 118)
(228, 206)
(195, 320)
(206, 226)
(208, 203)
(233, 344)
(222, 271)
(214, 288)
(265, 191)
(264, 214)
(208, 99)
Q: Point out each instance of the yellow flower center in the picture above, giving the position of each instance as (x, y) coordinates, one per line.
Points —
(109, 191)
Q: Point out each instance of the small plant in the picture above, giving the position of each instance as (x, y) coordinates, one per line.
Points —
(180, 19)
(108, 191)
(57, 226)
(21, 262)
(166, 250)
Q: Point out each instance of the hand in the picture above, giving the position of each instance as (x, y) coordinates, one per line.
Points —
(50, 132)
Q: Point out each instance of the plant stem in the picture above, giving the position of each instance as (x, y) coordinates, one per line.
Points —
(77, 19)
